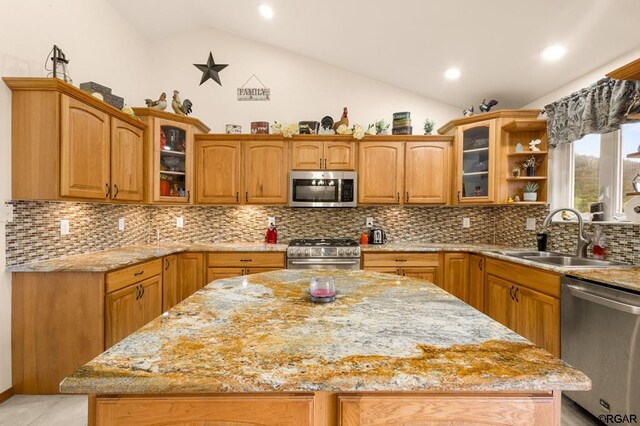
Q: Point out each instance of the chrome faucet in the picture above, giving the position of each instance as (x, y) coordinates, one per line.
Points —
(583, 239)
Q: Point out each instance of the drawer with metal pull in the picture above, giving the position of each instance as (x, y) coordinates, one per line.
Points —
(400, 259)
(246, 259)
(132, 274)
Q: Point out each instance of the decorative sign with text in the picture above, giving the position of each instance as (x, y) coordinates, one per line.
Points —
(254, 93)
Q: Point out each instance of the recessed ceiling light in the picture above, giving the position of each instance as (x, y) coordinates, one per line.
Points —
(452, 73)
(266, 11)
(553, 53)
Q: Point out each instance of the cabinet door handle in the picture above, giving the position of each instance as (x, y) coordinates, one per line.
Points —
(480, 264)
(166, 264)
(142, 295)
(398, 196)
(401, 260)
(137, 292)
(325, 163)
(511, 293)
(245, 260)
(137, 274)
(515, 294)
(246, 197)
(106, 195)
(321, 163)
(237, 197)
(188, 196)
(458, 195)
(117, 190)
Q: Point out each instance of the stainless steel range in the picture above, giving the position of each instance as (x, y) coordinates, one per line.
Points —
(323, 254)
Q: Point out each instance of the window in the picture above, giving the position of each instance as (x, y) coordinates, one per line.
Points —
(586, 167)
(597, 165)
(630, 135)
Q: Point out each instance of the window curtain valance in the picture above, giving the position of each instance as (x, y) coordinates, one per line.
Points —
(599, 108)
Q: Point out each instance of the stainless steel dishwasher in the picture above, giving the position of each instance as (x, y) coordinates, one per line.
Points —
(600, 336)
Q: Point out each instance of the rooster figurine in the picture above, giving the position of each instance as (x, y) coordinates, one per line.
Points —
(486, 106)
(180, 108)
(160, 104)
(468, 112)
(344, 119)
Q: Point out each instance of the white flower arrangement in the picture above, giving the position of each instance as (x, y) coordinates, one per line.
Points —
(286, 130)
(344, 130)
(358, 131)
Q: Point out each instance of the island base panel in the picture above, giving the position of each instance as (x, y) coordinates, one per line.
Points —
(328, 409)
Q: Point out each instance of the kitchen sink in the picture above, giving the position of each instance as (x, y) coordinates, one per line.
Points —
(526, 254)
(574, 261)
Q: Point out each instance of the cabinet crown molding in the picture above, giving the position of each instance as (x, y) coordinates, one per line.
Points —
(501, 113)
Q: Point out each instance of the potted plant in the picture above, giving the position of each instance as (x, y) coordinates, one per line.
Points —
(530, 165)
(530, 192)
(428, 126)
(381, 127)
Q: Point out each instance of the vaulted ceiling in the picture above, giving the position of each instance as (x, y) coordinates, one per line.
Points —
(410, 43)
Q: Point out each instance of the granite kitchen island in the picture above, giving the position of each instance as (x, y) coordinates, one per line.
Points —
(389, 350)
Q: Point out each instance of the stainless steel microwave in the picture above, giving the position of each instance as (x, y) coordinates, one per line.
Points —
(323, 189)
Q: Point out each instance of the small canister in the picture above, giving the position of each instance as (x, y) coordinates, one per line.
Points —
(259, 127)
(233, 129)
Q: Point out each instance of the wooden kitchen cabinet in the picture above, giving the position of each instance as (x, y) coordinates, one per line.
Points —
(132, 307)
(380, 172)
(476, 281)
(424, 266)
(170, 282)
(527, 300)
(169, 161)
(456, 274)
(68, 145)
(233, 264)
(127, 161)
(85, 150)
(322, 155)
(265, 172)
(427, 173)
(218, 171)
(191, 274)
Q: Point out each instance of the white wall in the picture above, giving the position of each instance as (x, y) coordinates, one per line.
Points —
(301, 88)
(101, 47)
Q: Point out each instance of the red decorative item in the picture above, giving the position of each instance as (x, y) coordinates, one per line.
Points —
(165, 188)
(364, 239)
(163, 139)
(272, 235)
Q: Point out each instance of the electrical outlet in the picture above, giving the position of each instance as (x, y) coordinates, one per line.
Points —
(369, 222)
(179, 222)
(64, 227)
(271, 221)
(121, 224)
(6, 213)
(531, 224)
(466, 222)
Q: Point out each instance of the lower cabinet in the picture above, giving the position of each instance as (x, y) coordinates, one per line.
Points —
(527, 300)
(456, 274)
(424, 266)
(476, 281)
(191, 274)
(234, 264)
(132, 307)
(170, 288)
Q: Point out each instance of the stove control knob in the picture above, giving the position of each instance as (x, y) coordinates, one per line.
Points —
(306, 252)
(298, 252)
(341, 252)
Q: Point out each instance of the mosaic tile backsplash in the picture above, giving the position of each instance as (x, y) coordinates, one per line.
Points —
(34, 233)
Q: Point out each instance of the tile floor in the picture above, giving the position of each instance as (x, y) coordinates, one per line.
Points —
(71, 410)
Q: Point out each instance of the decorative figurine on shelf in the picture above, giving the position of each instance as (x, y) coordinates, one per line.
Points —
(344, 119)
(486, 106)
(326, 124)
(381, 127)
(515, 172)
(519, 147)
(533, 145)
(510, 200)
(129, 111)
(59, 65)
(468, 112)
(181, 108)
(516, 199)
(160, 104)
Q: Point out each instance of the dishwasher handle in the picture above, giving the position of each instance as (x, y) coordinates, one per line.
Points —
(353, 262)
(613, 304)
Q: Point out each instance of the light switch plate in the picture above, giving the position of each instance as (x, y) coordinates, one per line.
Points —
(6, 213)
(64, 227)
(369, 222)
(466, 222)
(531, 224)
(271, 220)
(121, 224)
(180, 222)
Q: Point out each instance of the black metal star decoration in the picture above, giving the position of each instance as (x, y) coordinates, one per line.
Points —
(210, 70)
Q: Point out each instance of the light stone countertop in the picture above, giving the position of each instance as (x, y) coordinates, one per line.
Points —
(383, 333)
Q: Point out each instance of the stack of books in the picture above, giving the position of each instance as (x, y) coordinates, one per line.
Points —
(402, 123)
